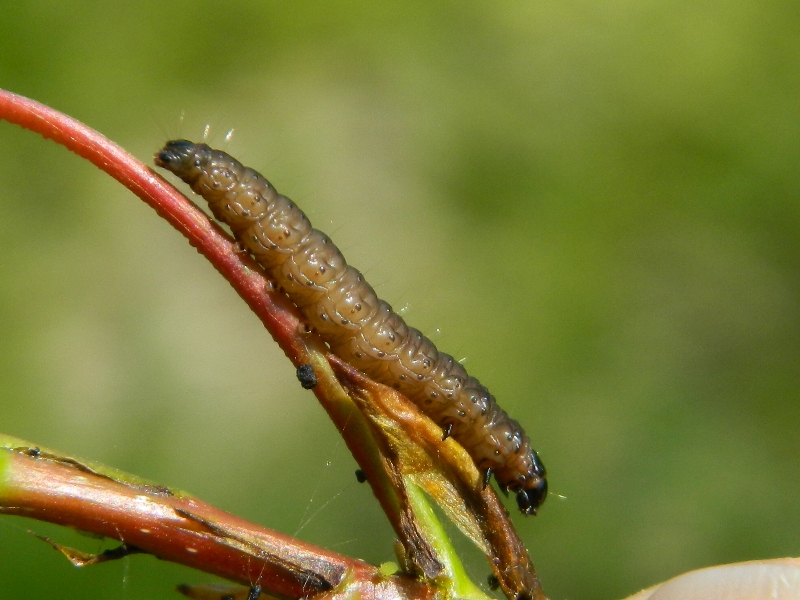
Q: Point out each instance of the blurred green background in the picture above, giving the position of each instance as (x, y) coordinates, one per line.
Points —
(597, 203)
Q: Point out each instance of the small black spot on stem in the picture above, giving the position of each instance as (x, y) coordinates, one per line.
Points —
(306, 376)
(493, 582)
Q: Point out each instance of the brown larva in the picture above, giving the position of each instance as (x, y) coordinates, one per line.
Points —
(357, 325)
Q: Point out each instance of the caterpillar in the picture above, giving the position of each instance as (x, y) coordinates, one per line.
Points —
(357, 325)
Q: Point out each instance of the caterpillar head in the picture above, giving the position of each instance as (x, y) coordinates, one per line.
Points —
(533, 492)
(526, 477)
(211, 173)
(530, 499)
(184, 158)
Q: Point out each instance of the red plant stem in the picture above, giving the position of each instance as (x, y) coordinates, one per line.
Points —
(275, 311)
(210, 539)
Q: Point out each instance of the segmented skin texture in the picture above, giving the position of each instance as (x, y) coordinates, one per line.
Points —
(357, 325)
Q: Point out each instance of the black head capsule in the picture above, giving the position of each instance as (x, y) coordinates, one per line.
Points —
(529, 500)
(181, 157)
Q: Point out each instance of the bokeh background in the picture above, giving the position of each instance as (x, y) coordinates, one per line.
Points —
(596, 203)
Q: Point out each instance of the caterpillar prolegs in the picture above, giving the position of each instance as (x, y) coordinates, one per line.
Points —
(357, 325)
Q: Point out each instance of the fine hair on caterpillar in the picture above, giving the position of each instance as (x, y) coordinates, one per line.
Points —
(357, 325)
